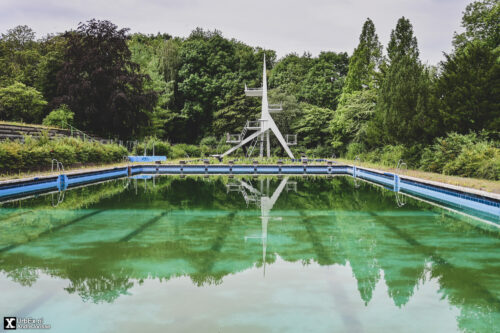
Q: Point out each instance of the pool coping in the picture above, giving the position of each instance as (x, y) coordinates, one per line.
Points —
(463, 189)
(458, 197)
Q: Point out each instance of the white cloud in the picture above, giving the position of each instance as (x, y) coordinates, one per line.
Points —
(285, 26)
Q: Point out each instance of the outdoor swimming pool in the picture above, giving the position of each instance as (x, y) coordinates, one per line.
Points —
(247, 254)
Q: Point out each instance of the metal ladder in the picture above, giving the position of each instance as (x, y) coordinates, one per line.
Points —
(252, 145)
(244, 131)
(61, 191)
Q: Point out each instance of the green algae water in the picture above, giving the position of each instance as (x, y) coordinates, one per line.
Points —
(267, 254)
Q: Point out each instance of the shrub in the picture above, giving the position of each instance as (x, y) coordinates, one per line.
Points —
(59, 117)
(210, 141)
(480, 160)
(390, 155)
(38, 153)
(177, 152)
(354, 149)
(190, 150)
(163, 148)
(467, 155)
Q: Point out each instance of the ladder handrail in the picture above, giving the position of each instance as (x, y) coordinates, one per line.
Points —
(74, 129)
(252, 147)
(400, 166)
(59, 165)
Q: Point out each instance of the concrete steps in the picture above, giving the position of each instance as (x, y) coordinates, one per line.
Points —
(17, 132)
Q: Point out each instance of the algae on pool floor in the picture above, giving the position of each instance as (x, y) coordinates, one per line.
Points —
(246, 254)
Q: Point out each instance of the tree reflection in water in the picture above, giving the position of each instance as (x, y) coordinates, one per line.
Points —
(210, 228)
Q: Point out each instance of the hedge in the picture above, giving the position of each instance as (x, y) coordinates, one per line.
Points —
(37, 153)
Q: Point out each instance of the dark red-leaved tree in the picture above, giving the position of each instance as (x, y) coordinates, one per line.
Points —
(100, 83)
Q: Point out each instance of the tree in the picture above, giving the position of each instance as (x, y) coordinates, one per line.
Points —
(286, 118)
(290, 72)
(52, 48)
(19, 38)
(469, 85)
(21, 103)
(19, 56)
(147, 53)
(311, 127)
(170, 59)
(101, 84)
(364, 60)
(404, 105)
(480, 21)
(211, 78)
(324, 81)
(232, 118)
(469, 89)
(351, 118)
(358, 99)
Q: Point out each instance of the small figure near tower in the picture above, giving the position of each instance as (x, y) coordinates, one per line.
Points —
(262, 126)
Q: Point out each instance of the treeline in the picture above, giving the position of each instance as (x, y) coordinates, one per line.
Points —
(380, 103)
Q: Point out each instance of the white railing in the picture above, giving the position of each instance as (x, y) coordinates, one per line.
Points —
(233, 138)
(255, 123)
(253, 92)
(275, 107)
(291, 139)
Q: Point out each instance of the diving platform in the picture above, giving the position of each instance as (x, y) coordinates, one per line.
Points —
(275, 108)
(263, 127)
(253, 92)
(291, 139)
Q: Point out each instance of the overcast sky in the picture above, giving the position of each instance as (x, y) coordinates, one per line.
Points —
(284, 26)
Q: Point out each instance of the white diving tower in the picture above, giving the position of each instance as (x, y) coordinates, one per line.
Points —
(262, 126)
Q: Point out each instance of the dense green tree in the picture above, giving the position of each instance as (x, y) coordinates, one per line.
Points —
(170, 59)
(364, 60)
(101, 84)
(147, 53)
(404, 106)
(19, 56)
(350, 120)
(233, 117)
(311, 127)
(358, 99)
(212, 77)
(290, 72)
(19, 102)
(52, 49)
(291, 112)
(481, 22)
(469, 89)
(324, 81)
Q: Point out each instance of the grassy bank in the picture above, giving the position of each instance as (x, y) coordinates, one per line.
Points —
(492, 186)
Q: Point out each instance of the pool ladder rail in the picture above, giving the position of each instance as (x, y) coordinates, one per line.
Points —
(62, 182)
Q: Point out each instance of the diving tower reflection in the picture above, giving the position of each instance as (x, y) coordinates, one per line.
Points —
(261, 199)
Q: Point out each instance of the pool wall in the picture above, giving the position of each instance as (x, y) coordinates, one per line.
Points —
(484, 202)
